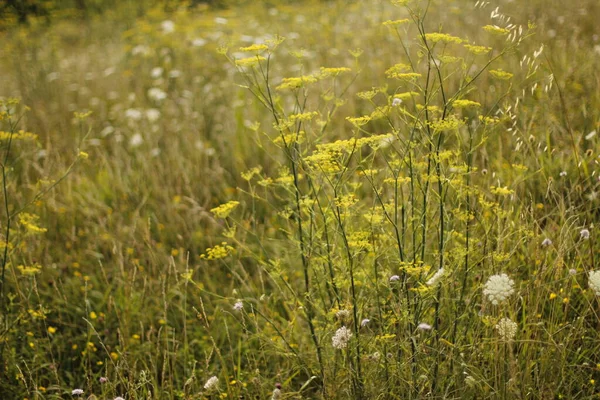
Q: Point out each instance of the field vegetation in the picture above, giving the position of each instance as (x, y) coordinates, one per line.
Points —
(315, 199)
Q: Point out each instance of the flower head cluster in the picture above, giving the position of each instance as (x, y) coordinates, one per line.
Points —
(238, 306)
(77, 392)
(341, 338)
(435, 279)
(584, 234)
(594, 281)
(342, 314)
(498, 288)
(211, 383)
(507, 329)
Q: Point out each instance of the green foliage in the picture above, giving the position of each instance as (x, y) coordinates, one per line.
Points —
(312, 200)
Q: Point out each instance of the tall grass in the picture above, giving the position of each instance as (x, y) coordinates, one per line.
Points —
(302, 201)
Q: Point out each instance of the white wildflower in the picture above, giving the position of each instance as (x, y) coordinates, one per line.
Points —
(341, 338)
(572, 272)
(77, 392)
(276, 394)
(563, 174)
(594, 281)
(365, 322)
(156, 72)
(211, 383)
(168, 26)
(394, 278)
(498, 288)
(152, 115)
(157, 94)
(396, 102)
(435, 279)
(507, 329)
(136, 140)
(584, 234)
(342, 314)
(133, 114)
(424, 327)
(546, 242)
(238, 306)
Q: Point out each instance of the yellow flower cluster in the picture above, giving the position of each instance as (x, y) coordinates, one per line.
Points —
(478, 50)
(447, 124)
(224, 210)
(496, 30)
(29, 221)
(255, 47)
(217, 252)
(325, 72)
(465, 104)
(437, 37)
(500, 74)
(20, 135)
(296, 82)
(396, 22)
(249, 61)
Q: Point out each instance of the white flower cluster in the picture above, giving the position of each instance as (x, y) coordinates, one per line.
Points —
(594, 281)
(498, 288)
(435, 279)
(342, 314)
(211, 383)
(507, 329)
(341, 338)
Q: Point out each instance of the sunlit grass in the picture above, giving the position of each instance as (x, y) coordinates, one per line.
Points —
(318, 200)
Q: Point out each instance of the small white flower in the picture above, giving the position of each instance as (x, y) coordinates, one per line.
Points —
(156, 72)
(152, 115)
(563, 174)
(341, 338)
(77, 392)
(136, 140)
(168, 26)
(584, 234)
(342, 314)
(507, 329)
(394, 278)
(118, 398)
(199, 42)
(572, 272)
(211, 383)
(424, 327)
(133, 114)
(157, 94)
(365, 322)
(276, 394)
(238, 306)
(396, 102)
(546, 242)
(594, 281)
(498, 288)
(435, 279)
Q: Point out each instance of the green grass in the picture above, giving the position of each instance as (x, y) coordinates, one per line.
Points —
(341, 203)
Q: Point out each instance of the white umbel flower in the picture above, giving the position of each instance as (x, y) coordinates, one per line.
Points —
(507, 329)
(435, 279)
(594, 281)
(498, 288)
(341, 338)
(211, 383)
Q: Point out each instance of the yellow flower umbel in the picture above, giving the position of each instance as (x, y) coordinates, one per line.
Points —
(224, 210)
(217, 252)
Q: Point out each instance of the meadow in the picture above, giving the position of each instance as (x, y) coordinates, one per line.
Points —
(301, 200)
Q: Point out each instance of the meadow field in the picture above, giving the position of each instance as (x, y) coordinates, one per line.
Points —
(335, 199)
